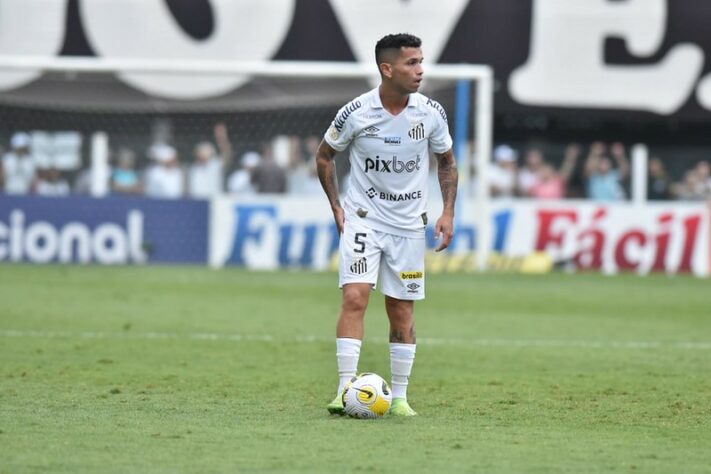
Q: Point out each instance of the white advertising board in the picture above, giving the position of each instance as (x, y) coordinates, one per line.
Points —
(283, 232)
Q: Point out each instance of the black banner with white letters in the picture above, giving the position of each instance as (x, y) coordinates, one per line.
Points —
(632, 67)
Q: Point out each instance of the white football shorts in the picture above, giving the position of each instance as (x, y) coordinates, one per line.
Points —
(367, 255)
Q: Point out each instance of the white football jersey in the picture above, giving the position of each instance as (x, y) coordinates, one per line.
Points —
(389, 158)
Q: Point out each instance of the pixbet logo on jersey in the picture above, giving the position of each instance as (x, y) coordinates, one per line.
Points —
(392, 166)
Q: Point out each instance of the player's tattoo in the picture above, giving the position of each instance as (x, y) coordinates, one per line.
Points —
(396, 336)
(448, 177)
(326, 168)
(399, 337)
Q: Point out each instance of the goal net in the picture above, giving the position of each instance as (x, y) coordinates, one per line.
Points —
(83, 114)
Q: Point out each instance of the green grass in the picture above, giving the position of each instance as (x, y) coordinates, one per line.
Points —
(175, 369)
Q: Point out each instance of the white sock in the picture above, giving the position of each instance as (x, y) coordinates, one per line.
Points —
(347, 355)
(402, 356)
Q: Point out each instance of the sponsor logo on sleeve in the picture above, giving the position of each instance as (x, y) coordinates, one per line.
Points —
(435, 105)
(346, 112)
(333, 133)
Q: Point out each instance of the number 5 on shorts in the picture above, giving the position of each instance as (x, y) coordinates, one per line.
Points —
(361, 244)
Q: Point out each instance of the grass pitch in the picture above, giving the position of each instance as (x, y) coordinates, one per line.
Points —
(175, 369)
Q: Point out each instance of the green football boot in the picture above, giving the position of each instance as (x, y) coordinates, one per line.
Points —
(400, 407)
(336, 406)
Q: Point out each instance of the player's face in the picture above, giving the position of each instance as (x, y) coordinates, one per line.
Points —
(407, 70)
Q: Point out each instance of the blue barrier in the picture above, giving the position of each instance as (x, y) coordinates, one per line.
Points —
(112, 230)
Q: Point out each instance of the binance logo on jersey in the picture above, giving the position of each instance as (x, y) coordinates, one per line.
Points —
(394, 197)
(392, 166)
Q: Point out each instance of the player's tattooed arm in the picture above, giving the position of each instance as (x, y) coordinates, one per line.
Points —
(326, 168)
(448, 178)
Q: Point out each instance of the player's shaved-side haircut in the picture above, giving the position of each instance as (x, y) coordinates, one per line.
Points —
(392, 43)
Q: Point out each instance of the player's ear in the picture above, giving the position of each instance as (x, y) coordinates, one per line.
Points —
(386, 70)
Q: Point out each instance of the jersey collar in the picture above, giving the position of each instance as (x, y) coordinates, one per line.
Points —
(378, 104)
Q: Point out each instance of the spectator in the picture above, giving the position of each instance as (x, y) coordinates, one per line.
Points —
(502, 177)
(551, 183)
(529, 176)
(691, 188)
(658, 182)
(240, 181)
(703, 170)
(268, 177)
(50, 182)
(604, 181)
(18, 166)
(82, 182)
(124, 177)
(207, 174)
(303, 179)
(165, 179)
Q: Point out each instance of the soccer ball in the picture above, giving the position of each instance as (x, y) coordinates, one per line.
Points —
(367, 396)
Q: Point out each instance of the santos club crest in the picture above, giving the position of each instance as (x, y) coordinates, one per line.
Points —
(417, 132)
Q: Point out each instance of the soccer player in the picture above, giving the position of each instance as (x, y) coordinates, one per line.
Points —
(390, 131)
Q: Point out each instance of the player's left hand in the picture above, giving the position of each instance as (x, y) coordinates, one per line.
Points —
(444, 230)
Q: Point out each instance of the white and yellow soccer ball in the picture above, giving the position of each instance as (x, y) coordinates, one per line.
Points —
(367, 396)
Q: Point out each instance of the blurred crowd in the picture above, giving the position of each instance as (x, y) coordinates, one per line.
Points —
(210, 171)
(599, 172)
(286, 165)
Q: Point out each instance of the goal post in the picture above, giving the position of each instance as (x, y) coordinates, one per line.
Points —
(481, 103)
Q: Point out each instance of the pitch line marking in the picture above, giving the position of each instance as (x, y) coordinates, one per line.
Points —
(427, 341)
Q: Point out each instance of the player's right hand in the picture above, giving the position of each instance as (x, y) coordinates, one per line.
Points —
(444, 230)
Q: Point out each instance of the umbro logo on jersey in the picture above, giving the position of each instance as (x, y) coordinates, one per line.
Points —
(392, 166)
(413, 288)
(360, 266)
(371, 131)
(417, 132)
